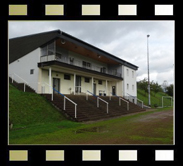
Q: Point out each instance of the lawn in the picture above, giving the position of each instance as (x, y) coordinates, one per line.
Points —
(123, 130)
(36, 121)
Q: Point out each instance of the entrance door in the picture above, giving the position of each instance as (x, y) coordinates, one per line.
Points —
(78, 84)
(56, 85)
(94, 89)
(114, 90)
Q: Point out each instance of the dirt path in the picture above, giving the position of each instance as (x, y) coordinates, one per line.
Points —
(156, 115)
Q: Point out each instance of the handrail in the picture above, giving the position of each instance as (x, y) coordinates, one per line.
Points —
(25, 82)
(120, 98)
(141, 102)
(137, 99)
(65, 97)
(51, 87)
(98, 98)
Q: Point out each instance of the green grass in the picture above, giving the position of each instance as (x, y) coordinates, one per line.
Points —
(27, 109)
(155, 98)
(123, 130)
(36, 121)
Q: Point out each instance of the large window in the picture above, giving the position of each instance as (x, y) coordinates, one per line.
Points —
(86, 65)
(48, 49)
(103, 70)
(67, 77)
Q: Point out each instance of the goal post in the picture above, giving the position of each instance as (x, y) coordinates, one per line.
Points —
(163, 99)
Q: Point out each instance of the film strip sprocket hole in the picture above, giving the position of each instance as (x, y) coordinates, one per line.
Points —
(91, 10)
(91, 155)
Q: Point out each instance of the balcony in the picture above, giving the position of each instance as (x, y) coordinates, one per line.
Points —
(79, 63)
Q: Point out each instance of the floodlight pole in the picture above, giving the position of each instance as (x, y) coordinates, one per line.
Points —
(149, 96)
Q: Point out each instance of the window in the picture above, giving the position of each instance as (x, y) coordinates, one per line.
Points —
(87, 79)
(31, 71)
(103, 70)
(71, 60)
(133, 87)
(132, 74)
(127, 72)
(86, 65)
(58, 56)
(100, 82)
(127, 86)
(67, 77)
(48, 49)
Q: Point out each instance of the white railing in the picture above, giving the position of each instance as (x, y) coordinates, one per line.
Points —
(142, 105)
(120, 98)
(136, 99)
(24, 82)
(124, 101)
(43, 88)
(66, 98)
(98, 98)
(78, 63)
(107, 104)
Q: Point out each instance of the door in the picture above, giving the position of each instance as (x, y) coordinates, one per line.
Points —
(94, 89)
(78, 84)
(56, 85)
(114, 90)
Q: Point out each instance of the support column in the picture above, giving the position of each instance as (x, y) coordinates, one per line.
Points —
(50, 80)
(74, 83)
(106, 88)
(117, 88)
(92, 85)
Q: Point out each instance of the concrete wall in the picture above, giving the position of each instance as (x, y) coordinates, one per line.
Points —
(129, 83)
(22, 68)
(67, 86)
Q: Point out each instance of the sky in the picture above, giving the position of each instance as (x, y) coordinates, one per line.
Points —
(124, 39)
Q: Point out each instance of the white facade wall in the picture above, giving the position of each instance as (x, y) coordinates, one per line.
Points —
(22, 68)
(78, 59)
(129, 82)
(67, 86)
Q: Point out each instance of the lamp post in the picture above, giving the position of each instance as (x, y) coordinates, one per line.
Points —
(149, 96)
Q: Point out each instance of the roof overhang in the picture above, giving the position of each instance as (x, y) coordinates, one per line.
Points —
(98, 51)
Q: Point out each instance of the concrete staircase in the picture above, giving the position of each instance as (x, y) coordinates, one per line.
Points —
(87, 109)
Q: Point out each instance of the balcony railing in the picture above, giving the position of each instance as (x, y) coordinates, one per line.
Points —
(78, 63)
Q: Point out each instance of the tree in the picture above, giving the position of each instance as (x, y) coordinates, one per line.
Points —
(155, 87)
(143, 84)
(165, 85)
(170, 90)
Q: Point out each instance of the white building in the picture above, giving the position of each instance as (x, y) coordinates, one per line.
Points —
(58, 60)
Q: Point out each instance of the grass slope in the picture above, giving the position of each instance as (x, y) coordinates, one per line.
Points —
(155, 98)
(26, 109)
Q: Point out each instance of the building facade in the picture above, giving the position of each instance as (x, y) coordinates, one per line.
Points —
(55, 61)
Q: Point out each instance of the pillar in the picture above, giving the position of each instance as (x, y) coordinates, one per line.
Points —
(92, 85)
(106, 88)
(50, 80)
(74, 83)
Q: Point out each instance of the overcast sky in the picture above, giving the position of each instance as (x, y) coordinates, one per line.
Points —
(124, 39)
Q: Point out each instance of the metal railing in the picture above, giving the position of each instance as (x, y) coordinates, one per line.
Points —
(79, 63)
(24, 82)
(98, 99)
(120, 98)
(135, 99)
(66, 98)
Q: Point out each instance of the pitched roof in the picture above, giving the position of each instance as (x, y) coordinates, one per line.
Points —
(18, 47)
